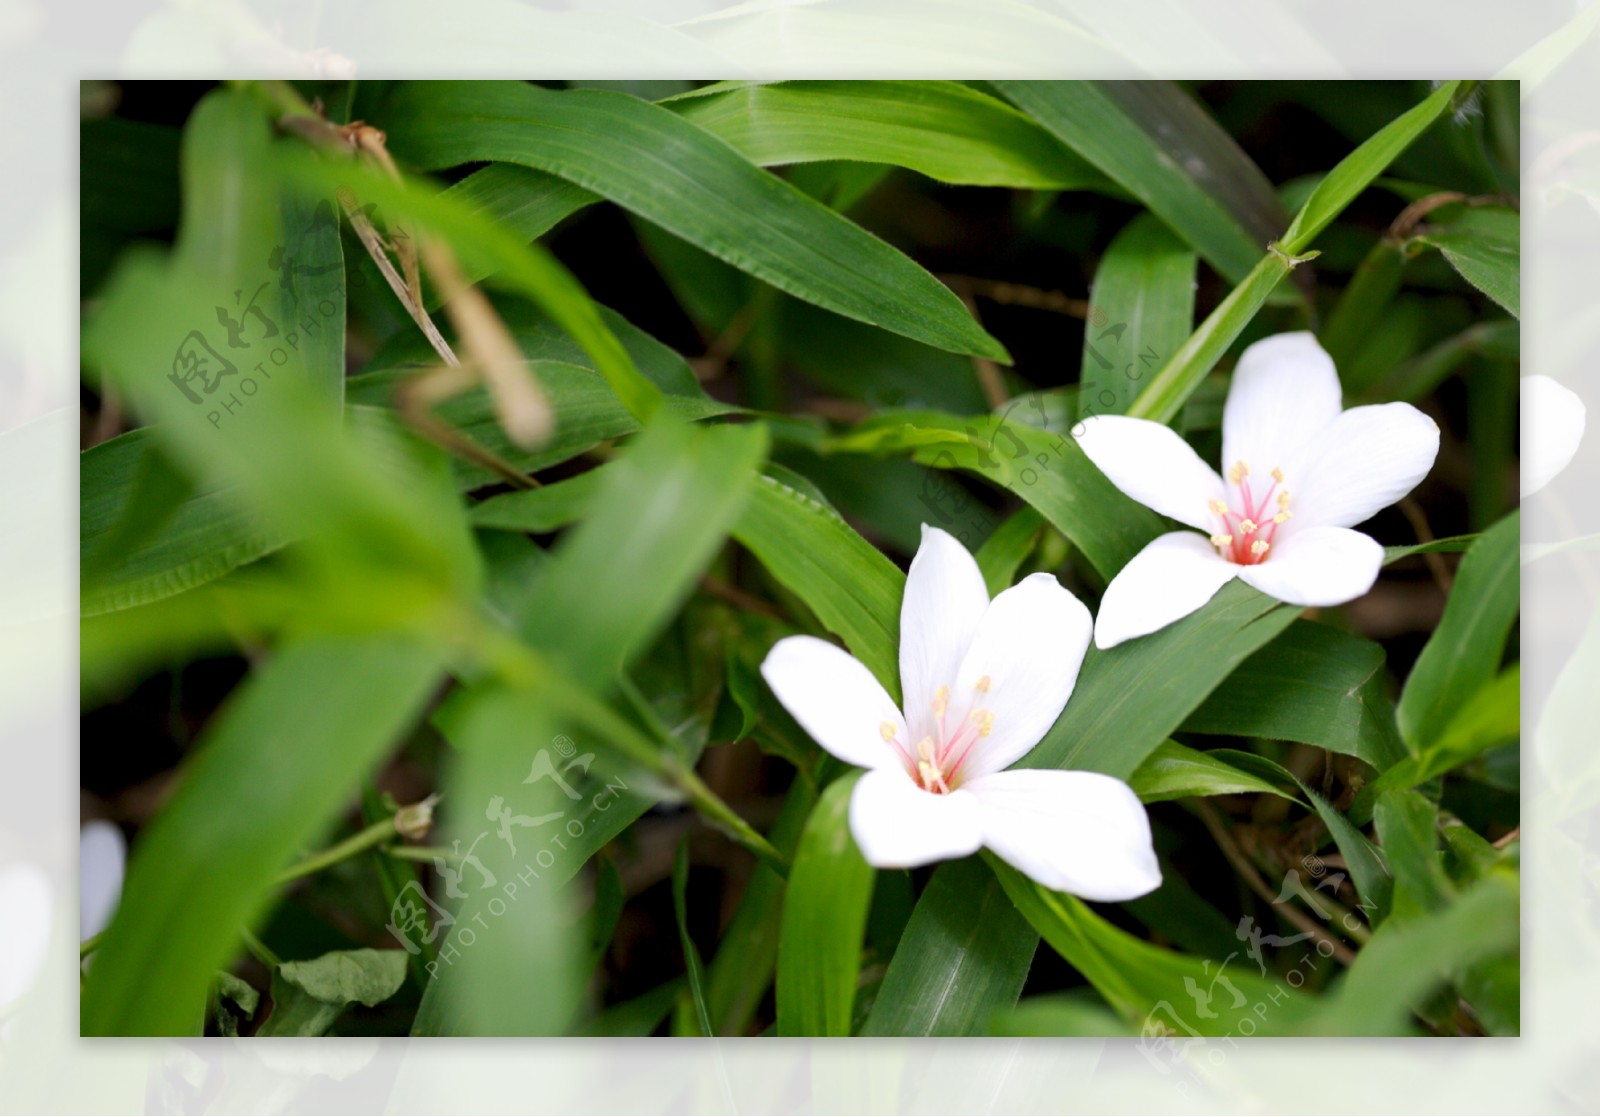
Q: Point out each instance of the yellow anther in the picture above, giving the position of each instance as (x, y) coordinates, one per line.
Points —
(1283, 499)
(1277, 475)
(927, 771)
(985, 720)
(1221, 540)
(941, 699)
(925, 750)
(1259, 547)
(1282, 517)
(1238, 472)
(1248, 527)
(982, 685)
(1219, 507)
(886, 730)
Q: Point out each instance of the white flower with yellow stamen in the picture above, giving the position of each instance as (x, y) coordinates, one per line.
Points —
(983, 681)
(1301, 473)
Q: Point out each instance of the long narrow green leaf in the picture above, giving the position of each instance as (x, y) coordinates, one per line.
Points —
(671, 495)
(1047, 470)
(1492, 716)
(1143, 310)
(1165, 394)
(1156, 990)
(1357, 170)
(293, 746)
(1312, 684)
(1368, 294)
(691, 956)
(646, 159)
(963, 956)
(1157, 143)
(1131, 698)
(854, 590)
(1175, 771)
(1404, 961)
(1465, 649)
(945, 130)
(824, 917)
(741, 972)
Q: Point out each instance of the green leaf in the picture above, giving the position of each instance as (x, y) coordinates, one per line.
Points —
(291, 747)
(1007, 547)
(741, 972)
(691, 956)
(668, 171)
(1407, 826)
(1405, 961)
(1491, 717)
(1164, 395)
(1412, 381)
(1175, 771)
(1356, 171)
(1054, 1015)
(853, 589)
(1364, 299)
(1148, 987)
(672, 497)
(309, 996)
(488, 248)
(945, 130)
(638, 1017)
(1130, 699)
(1484, 244)
(545, 509)
(1155, 141)
(1465, 649)
(1049, 471)
(963, 957)
(145, 534)
(1143, 310)
(1312, 684)
(824, 918)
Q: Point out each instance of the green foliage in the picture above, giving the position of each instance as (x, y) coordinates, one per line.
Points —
(769, 319)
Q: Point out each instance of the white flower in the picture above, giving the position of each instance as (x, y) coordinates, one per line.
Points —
(1553, 418)
(102, 854)
(1300, 474)
(983, 681)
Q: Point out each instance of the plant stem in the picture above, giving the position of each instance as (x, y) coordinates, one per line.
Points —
(359, 842)
(425, 854)
(259, 949)
(523, 667)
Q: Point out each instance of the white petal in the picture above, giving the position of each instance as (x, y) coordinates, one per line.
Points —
(24, 928)
(1078, 832)
(1553, 418)
(1030, 644)
(1319, 566)
(1172, 577)
(1153, 465)
(898, 825)
(1284, 392)
(1367, 459)
(945, 598)
(101, 855)
(835, 699)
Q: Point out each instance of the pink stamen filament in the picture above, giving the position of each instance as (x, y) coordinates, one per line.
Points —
(1261, 516)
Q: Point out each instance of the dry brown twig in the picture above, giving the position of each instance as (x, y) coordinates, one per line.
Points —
(493, 357)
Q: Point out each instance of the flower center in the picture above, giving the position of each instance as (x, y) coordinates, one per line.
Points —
(1250, 520)
(935, 763)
